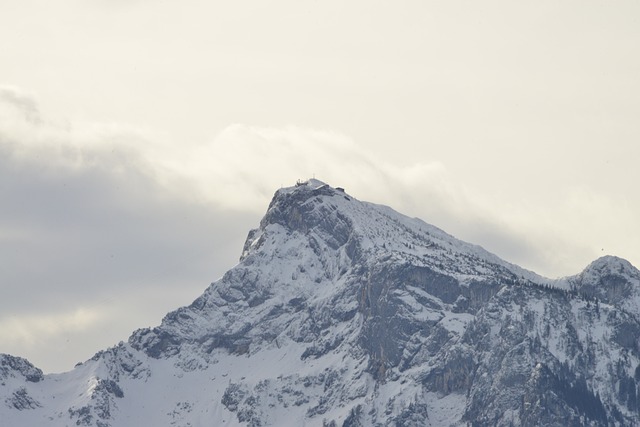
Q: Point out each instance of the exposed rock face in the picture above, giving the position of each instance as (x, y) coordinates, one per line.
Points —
(17, 367)
(610, 279)
(345, 313)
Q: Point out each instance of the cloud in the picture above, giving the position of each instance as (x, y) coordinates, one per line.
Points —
(243, 165)
(28, 329)
(22, 103)
(88, 227)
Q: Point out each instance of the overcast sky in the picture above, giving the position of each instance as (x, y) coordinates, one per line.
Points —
(141, 140)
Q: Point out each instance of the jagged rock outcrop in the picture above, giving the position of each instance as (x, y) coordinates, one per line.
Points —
(17, 367)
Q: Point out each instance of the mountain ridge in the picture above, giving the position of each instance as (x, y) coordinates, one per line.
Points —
(343, 312)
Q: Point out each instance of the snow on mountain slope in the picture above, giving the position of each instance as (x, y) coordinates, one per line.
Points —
(348, 313)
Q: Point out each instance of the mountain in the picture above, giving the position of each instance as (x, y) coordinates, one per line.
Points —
(347, 313)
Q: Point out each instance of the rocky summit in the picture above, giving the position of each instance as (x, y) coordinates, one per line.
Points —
(347, 313)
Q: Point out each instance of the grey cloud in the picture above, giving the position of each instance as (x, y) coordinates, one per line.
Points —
(23, 102)
(108, 237)
(84, 235)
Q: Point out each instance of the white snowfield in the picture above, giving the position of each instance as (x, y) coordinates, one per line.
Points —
(347, 313)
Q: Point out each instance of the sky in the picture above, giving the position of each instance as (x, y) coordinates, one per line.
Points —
(141, 140)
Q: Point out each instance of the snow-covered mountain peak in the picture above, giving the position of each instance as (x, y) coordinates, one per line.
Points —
(347, 313)
(610, 265)
(315, 209)
(611, 279)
